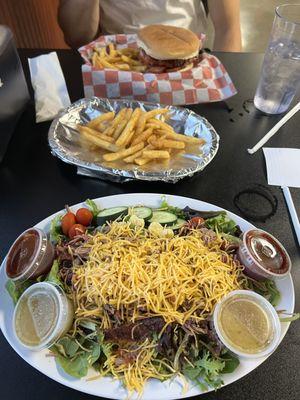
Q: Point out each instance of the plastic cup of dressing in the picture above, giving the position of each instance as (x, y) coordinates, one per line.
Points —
(247, 324)
(42, 315)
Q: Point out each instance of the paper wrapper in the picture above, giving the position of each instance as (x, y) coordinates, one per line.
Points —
(208, 82)
(50, 89)
(66, 143)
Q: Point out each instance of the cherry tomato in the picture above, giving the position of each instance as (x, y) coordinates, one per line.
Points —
(195, 222)
(84, 216)
(67, 221)
(75, 230)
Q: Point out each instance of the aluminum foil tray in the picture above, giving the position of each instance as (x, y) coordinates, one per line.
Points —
(66, 143)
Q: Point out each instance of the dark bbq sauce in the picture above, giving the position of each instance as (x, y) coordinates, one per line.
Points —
(267, 252)
(22, 253)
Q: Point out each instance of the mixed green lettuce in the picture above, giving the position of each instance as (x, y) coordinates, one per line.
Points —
(75, 356)
(53, 276)
(267, 289)
(206, 371)
(15, 290)
(56, 233)
(222, 224)
(165, 206)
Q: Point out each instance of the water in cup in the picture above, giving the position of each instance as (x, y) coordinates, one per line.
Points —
(280, 77)
(280, 74)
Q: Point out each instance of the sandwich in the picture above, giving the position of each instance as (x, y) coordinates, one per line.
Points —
(165, 48)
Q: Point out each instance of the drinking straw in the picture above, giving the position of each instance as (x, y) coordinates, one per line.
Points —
(292, 210)
(275, 129)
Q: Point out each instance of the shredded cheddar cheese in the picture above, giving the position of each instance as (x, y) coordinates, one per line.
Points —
(176, 278)
(141, 273)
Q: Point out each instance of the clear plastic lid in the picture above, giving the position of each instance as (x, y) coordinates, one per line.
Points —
(247, 324)
(41, 315)
(30, 255)
(267, 252)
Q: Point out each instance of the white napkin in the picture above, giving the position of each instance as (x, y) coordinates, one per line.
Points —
(50, 90)
(283, 166)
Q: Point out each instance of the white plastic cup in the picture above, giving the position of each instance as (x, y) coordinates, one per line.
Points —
(40, 261)
(252, 267)
(269, 311)
(42, 312)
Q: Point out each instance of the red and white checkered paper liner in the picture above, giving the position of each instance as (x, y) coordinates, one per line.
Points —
(208, 82)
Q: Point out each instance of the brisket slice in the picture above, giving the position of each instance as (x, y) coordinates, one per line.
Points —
(160, 66)
(135, 332)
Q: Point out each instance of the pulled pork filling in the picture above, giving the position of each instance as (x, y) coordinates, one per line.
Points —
(159, 66)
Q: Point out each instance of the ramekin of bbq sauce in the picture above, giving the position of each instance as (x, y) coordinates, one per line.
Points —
(263, 256)
(30, 256)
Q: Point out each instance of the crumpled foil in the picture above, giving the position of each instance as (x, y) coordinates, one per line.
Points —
(66, 143)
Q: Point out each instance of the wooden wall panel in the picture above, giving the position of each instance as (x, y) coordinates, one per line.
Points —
(33, 22)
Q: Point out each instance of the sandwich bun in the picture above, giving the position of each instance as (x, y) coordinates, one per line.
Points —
(165, 42)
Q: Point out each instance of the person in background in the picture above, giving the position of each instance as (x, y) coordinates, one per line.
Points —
(82, 21)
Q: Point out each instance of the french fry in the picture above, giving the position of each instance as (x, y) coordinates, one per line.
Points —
(114, 59)
(160, 124)
(119, 117)
(98, 63)
(122, 59)
(102, 52)
(94, 59)
(138, 154)
(143, 136)
(140, 126)
(129, 51)
(131, 61)
(139, 68)
(102, 126)
(103, 117)
(109, 130)
(112, 50)
(153, 113)
(152, 140)
(95, 133)
(159, 131)
(123, 67)
(112, 126)
(156, 154)
(123, 138)
(106, 64)
(165, 117)
(170, 144)
(129, 138)
(121, 126)
(100, 142)
(142, 160)
(135, 136)
(123, 153)
(186, 139)
(128, 114)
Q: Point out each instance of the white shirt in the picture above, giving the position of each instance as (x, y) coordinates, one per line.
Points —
(127, 16)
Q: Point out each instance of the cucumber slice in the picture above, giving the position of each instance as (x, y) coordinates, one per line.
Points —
(163, 218)
(144, 213)
(110, 214)
(178, 224)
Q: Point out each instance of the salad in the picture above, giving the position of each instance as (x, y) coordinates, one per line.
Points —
(143, 284)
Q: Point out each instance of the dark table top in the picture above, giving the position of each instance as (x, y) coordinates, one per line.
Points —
(34, 184)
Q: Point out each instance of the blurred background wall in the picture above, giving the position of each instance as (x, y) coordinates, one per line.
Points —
(256, 23)
(34, 23)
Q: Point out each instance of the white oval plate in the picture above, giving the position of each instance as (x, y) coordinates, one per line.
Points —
(107, 387)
